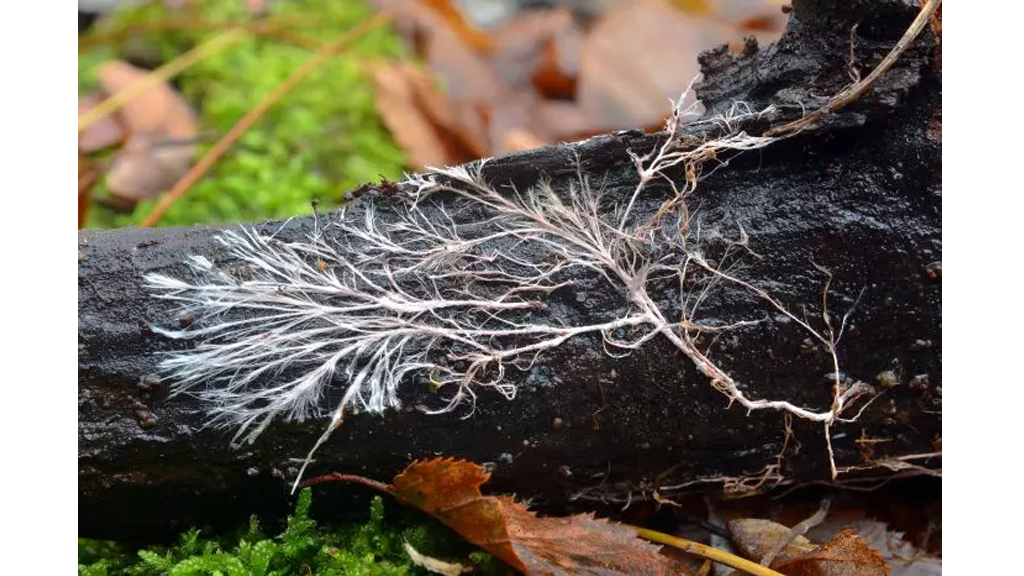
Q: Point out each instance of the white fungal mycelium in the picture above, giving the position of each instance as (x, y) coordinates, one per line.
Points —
(334, 323)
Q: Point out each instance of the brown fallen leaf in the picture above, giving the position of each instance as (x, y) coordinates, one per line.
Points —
(396, 99)
(551, 78)
(538, 60)
(449, 490)
(846, 554)
(520, 76)
(641, 53)
(161, 126)
(471, 86)
(490, 92)
(443, 115)
(755, 537)
(903, 557)
(627, 78)
(540, 47)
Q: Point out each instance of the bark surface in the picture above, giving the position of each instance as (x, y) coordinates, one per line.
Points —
(860, 195)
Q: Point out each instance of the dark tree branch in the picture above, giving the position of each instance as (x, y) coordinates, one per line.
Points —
(858, 194)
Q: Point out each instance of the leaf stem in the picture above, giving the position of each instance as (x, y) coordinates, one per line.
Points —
(704, 551)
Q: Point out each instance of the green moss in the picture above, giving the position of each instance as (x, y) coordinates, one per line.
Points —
(373, 547)
(322, 138)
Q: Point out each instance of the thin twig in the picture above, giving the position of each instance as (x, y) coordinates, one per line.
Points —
(705, 551)
(854, 92)
(338, 477)
(158, 76)
(218, 150)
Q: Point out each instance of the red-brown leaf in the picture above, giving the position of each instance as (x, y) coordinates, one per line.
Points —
(449, 490)
(160, 123)
(398, 103)
(845, 554)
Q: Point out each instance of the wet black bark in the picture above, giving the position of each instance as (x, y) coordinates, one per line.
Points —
(860, 195)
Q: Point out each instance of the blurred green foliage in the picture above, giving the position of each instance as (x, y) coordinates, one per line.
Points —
(374, 547)
(322, 138)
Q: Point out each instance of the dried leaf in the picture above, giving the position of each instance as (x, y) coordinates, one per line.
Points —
(641, 53)
(904, 558)
(472, 87)
(466, 76)
(434, 104)
(449, 490)
(396, 99)
(491, 93)
(618, 74)
(555, 76)
(846, 554)
(754, 537)
(460, 145)
(626, 77)
(540, 48)
(161, 125)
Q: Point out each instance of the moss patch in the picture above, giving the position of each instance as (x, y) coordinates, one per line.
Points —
(374, 547)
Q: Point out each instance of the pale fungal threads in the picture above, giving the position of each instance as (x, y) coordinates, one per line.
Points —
(367, 303)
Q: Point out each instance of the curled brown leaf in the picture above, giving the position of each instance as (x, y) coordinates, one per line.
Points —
(160, 125)
(449, 490)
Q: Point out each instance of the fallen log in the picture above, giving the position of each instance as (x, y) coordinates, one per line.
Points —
(669, 317)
